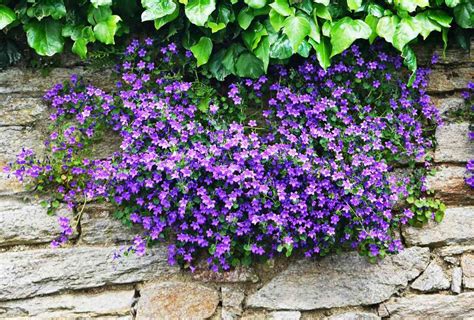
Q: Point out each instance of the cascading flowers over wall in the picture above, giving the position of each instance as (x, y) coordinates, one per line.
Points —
(302, 160)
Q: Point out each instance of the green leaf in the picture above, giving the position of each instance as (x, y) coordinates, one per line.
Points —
(248, 65)
(7, 16)
(426, 25)
(376, 10)
(304, 49)
(216, 66)
(263, 52)
(256, 4)
(198, 11)
(105, 31)
(326, 30)
(202, 50)
(245, 18)
(409, 58)
(345, 31)
(276, 20)
(97, 3)
(215, 27)
(283, 8)
(411, 5)
(323, 52)
(160, 22)
(157, 9)
(387, 26)
(45, 37)
(372, 21)
(296, 28)
(252, 36)
(80, 47)
(441, 17)
(231, 56)
(354, 5)
(99, 14)
(464, 14)
(281, 48)
(322, 12)
(315, 32)
(452, 3)
(323, 2)
(47, 8)
(407, 30)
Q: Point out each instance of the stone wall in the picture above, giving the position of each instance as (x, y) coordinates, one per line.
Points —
(433, 278)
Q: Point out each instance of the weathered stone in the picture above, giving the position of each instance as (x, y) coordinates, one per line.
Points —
(449, 104)
(232, 299)
(9, 185)
(338, 281)
(285, 315)
(110, 303)
(176, 300)
(457, 227)
(353, 316)
(449, 185)
(14, 138)
(239, 274)
(453, 55)
(99, 226)
(27, 223)
(20, 111)
(467, 265)
(27, 81)
(39, 272)
(453, 250)
(453, 143)
(456, 282)
(443, 79)
(433, 306)
(432, 279)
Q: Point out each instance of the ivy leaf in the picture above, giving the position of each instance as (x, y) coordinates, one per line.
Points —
(426, 25)
(202, 50)
(248, 65)
(276, 20)
(45, 37)
(283, 8)
(245, 18)
(80, 47)
(323, 52)
(256, 4)
(345, 31)
(323, 2)
(7, 16)
(407, 30)
(322, 12)
(464, 14)
(296, 28)
(354, 5)
(372, 21)
(97, 3)
(441, 17)
(198, 11)
(315, 31)
(46, 8)
(105, 31)
(387, 26)
(253, 36)
(157, 9)
(452, 3)
(99, 14)
(281, 48)
(263, 52)
(411, 5)
(376, 10)
(215, 27)
(304, 49)
(216, 67)
(160, 22)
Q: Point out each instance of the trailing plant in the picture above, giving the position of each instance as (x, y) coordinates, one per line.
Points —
(241, 37)
(468, 96)
(301, 160)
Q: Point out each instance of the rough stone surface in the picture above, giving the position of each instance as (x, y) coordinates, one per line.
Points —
(453, 143)
(457, 227)
(432, 279)
(8, 184)
(14, 138)
(285, 315)
(448, 104)
(453, 55)
(453, 250)
(433, 306)
(446, 79)
(38, 272)
(354, 316)
(105, 304)
(177, 300)
(21, 111)
(450, 186)
(27, 223)
(232, 299)
(100, 227)
(240, 274)
(456, 282)
(467, 265)
(339, 281)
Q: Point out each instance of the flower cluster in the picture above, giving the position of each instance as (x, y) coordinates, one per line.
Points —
(307, 164)
(468, 96)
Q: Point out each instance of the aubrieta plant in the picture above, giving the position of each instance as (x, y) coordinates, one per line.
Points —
(302, 160)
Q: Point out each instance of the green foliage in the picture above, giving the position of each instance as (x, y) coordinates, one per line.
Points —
(236, 30)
